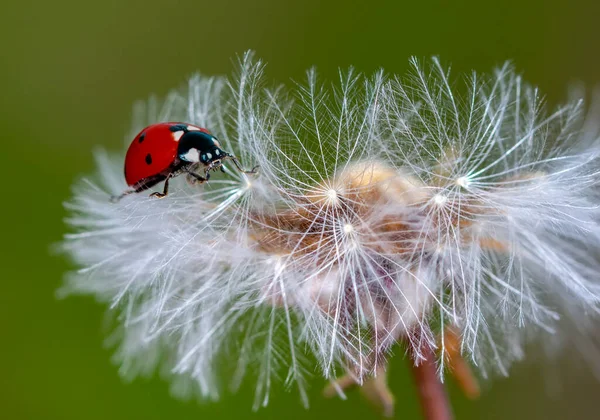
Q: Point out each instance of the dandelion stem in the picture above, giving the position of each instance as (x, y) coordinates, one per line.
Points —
(432, 395)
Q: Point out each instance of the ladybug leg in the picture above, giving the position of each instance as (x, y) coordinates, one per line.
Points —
(117, 198)
(165, 189)
(194, 177)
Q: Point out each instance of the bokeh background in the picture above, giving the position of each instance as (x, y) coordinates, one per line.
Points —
(70, 71)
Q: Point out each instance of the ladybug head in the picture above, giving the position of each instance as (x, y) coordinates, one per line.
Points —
(198, 146)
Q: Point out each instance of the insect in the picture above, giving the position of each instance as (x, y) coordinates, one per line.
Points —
(165, 150)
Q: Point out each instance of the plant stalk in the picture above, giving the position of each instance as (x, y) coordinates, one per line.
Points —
(431, 391)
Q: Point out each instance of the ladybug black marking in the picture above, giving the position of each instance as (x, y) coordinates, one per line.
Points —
(149, 159)
(178, 127)
(142, 137)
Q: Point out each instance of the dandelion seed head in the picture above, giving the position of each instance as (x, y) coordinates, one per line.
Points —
(384, 210)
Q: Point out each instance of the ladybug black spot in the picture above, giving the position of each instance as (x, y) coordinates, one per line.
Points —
(178, 127)
(142, 137)
(149, 159)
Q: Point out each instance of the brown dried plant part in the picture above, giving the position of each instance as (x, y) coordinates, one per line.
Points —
(423, 366)
(457, 365)
(375, 389)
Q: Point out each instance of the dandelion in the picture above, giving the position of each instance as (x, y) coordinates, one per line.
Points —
(459, 221)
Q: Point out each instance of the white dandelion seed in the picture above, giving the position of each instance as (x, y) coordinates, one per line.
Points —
(386, 210)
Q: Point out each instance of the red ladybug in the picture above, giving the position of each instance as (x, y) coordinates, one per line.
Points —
(164, 150)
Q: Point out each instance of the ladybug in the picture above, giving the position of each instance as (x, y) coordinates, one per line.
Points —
(165, 150)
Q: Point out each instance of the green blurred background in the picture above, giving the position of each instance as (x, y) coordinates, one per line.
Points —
(70, 71)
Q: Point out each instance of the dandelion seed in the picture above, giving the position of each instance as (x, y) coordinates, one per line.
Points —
(463, 181)
(386, 211)
(440, 199)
